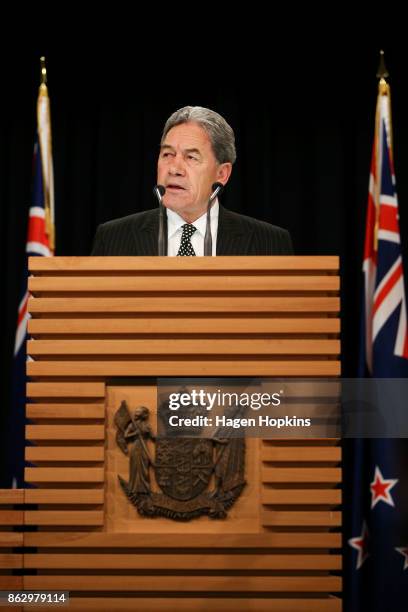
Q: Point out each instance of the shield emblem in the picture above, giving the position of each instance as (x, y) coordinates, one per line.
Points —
(183, 467)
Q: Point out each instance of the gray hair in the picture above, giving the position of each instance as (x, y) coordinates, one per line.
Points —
(219, 131)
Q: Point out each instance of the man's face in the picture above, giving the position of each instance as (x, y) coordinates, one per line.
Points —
(187, 168)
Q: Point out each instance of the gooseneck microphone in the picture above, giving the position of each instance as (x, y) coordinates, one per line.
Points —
(159, 192)
(216, 190)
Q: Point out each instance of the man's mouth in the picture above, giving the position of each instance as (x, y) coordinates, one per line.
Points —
(175, 187)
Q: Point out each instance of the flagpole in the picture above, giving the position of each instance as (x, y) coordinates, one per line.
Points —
(43, 71)
(39, 235)
(44, 136)
(383, 90)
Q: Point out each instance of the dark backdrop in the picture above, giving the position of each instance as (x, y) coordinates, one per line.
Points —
(303, 122)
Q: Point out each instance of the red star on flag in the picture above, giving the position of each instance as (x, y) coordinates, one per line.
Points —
(404, 551)
(360, 543)
(380, 488)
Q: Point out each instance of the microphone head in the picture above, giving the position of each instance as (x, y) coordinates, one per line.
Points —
(159, 190)
(218, 186)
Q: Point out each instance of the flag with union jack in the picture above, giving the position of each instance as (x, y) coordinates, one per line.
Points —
(40, 241)
(376, 552)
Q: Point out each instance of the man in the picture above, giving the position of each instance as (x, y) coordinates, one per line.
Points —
(197, 150)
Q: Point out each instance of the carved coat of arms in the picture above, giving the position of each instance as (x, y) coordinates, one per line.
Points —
(195, 476)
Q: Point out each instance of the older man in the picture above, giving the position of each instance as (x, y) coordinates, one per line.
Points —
(197, 150)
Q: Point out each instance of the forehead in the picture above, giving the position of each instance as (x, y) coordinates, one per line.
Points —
(188, 136)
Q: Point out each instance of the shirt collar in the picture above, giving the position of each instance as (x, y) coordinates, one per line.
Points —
(175, 222)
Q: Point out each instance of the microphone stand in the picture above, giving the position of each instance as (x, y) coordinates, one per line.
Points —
(159, 191)
(217, 188)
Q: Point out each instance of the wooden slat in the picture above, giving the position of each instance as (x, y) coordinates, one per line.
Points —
(10, 539)
(191, 604)
(11, 561)
(187, 283)
(296, 518)
(144, 561)
(11, 583)
(183, 347)
(301, 496)
(186, 584)
(65, 432)
(64, 496)
(64, 453)
(64, 517)
(65, 389)
(11, 517)
(330, 454)
(51, 474)
(12, 496)
(142, 265)
(185, 304)
(65, 411)
(301, 475)
(195, 325)
(189, 368)
(168, 540)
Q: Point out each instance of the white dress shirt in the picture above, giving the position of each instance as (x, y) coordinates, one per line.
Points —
(174, 231)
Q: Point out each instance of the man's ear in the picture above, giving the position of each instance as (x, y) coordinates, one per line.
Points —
(224, 172)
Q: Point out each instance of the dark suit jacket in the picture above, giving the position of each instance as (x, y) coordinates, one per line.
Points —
(237, 235)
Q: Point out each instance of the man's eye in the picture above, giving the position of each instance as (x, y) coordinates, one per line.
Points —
(192, 157)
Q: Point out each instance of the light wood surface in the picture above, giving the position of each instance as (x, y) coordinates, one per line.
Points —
(10, 539)
(64, 453)
(187, 325)
(191, 368)
(284, 304)
(186, 584)
(203, 604)
(183, 347)
(65, 474)
(301, 475)
(64, 389)
(65, 496)
(65, 432)
(174, 265)
(65, 411)
(301, 497)
(203, 561)
(269, 540)
(11, 517)
(191, 283)
(95, 320)
(11, 496)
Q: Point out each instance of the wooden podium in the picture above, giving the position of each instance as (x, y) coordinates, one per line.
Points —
(104, 329)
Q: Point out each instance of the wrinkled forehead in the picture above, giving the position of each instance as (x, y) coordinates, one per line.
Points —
(187, 136)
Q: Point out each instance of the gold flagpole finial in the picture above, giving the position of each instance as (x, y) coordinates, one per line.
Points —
(43, 71)
(383, 97)
(382, 72)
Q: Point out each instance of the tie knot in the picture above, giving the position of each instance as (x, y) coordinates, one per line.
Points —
(188, 230)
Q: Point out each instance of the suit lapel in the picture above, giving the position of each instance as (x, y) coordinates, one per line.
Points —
(145, 234)
(233, 238)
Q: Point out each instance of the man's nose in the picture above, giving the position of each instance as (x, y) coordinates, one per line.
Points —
(176, 167)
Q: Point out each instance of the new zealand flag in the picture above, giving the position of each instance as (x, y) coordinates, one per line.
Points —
(40, 241)
(376, 470)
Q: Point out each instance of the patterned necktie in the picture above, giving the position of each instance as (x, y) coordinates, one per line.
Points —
(186, 248)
